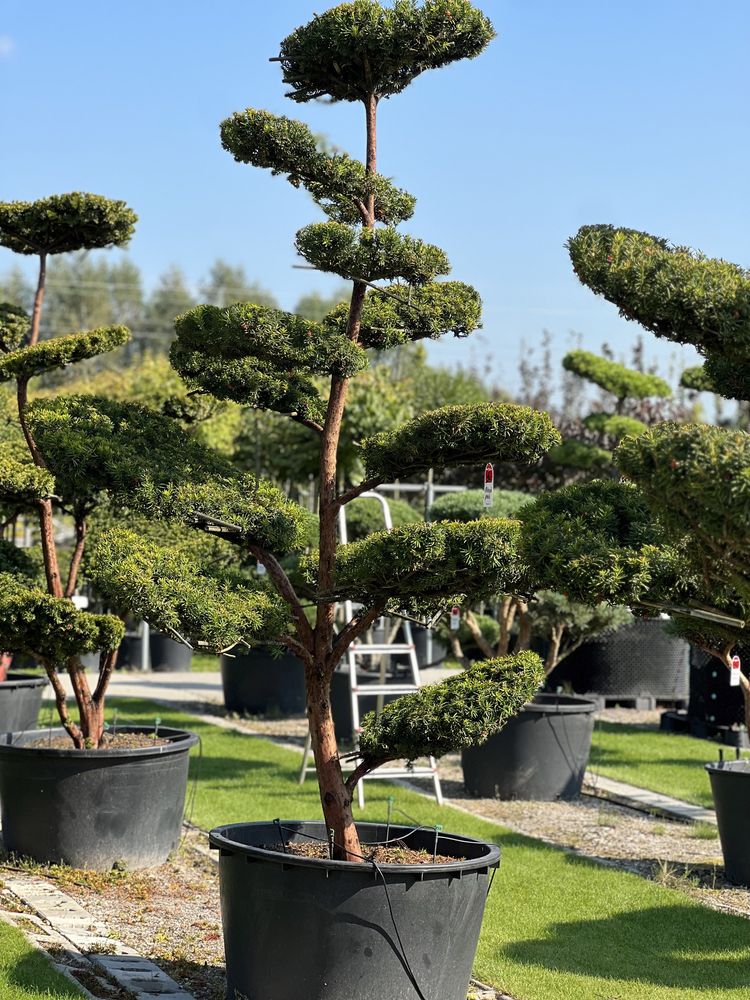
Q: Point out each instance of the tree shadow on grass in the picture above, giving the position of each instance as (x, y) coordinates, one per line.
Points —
(34, 973)
(679, 946)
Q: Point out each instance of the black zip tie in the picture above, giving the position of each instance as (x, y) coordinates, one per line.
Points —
(277, 824)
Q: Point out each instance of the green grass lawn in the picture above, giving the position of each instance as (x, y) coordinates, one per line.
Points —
(557, 927)
(25, 974)
(661, 762)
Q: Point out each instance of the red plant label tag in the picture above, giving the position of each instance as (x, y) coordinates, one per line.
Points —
(455, 618)
(734, 672)
(489, 483)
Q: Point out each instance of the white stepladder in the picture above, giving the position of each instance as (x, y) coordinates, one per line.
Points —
(384, 650)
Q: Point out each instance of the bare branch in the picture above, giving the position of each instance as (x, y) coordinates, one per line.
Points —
(287, 592)
(75, 562)
(351, 494)
(107, 660)
(354, 629)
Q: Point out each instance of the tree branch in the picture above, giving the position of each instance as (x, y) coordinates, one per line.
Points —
(359, 772)
(286, 590)
(75, 562)
(294, 646)
(62, 705)
(306, 422)
(36, 315)
(107, 660)
(351, 494)
(476, 633)
(354, 629)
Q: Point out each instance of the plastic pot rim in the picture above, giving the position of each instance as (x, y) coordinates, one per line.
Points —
(220, 839)
(180, 740)
(560, 704)
(741, 767)
(21, 680)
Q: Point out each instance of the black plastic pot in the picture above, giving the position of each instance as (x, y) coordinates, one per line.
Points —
(299, 927)
(639, 659)
(715, 708)
(168, 655)
(130, 656)
(259, 683)
(93, 808)
(730, 786)
(541, 754)
(439, 649)
(20, 701)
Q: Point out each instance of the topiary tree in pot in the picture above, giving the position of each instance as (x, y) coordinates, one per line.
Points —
(43, 622)
(72, 808)
(693, 478)
(357, 52)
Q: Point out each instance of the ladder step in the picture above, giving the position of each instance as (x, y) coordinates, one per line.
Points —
(360, 648)
(363, 690)
(388, 772)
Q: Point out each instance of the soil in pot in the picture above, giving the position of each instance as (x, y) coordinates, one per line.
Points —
(168, 655)
(540, 754)
(296, 926)
(730, 786)
(20, 701)
(259, 683)
(94, 809)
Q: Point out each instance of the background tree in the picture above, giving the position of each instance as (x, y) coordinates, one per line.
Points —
(47, 624)
(227, 283)
(359, 52)
(604, 428)
(683, 544)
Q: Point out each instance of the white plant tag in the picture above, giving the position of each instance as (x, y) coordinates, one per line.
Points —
(455, 618)
(261, 569)
(489, 484)
(734, 672)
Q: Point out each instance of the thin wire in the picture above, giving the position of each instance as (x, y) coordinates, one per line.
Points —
(376, 867)
(192, 797)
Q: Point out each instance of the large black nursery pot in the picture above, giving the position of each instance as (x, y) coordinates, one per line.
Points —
(635, 660)
(20, 701)
(93, 808)
(730, 786)
(168, 655)
(715, 708)
(540, 754)
(259, 683)
(297, 927)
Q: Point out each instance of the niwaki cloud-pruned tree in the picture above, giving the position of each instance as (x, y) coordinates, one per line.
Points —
(262, 357)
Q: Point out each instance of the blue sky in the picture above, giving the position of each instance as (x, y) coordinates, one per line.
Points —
(631, 113)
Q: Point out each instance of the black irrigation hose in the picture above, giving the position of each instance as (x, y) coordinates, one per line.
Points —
(376, 867)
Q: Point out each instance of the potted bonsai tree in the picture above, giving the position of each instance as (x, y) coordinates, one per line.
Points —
(61, 797)
(691, 479)
(314, 911)
(640, 659)
(543, 752)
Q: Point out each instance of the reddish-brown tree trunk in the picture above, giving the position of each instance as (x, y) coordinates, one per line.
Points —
(5, 661)
(36, 315)
(334, 796)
